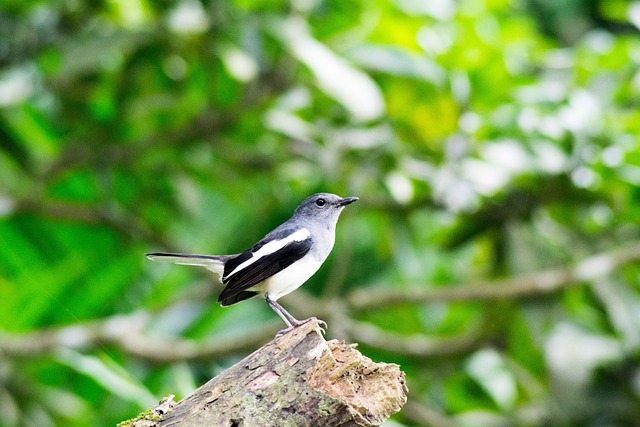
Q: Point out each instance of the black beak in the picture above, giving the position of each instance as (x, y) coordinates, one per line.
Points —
(347, 201)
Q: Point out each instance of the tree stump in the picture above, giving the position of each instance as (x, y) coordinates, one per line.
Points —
(298, 379)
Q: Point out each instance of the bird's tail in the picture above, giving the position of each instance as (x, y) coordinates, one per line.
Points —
(214, 263)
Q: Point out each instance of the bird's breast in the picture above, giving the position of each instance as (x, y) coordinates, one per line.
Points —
(291, 278)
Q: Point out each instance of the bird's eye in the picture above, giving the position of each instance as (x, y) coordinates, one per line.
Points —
(321, 202)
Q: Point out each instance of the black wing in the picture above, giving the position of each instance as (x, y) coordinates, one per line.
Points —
(261, 269)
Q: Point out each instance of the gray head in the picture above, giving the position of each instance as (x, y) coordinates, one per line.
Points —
(323, 207)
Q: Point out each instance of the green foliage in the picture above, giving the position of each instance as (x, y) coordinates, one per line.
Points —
(489, 142)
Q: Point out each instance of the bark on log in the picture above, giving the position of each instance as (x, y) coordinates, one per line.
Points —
(298, 379)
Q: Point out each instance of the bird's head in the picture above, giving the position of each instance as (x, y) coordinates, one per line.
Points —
(324, 207)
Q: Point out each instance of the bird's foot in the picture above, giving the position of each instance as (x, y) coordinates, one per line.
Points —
(321, 325)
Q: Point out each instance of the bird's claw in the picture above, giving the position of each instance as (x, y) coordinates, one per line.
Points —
(321, 323)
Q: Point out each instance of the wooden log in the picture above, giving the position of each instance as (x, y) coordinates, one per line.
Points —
(298, 379)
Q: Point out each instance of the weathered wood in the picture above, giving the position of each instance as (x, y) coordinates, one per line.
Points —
(298, 379)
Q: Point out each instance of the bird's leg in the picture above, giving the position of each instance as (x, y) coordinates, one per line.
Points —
(287, 318)
(284, 314)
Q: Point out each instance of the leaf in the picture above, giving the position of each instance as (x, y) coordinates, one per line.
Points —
(109, 375)
(352, 88)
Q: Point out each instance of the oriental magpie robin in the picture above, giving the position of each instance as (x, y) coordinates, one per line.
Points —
(279, 263)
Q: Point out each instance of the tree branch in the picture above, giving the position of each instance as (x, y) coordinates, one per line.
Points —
(127, 333)
(540, 283)
(417, 345)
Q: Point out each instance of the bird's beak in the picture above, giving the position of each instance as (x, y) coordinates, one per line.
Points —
(347, 201)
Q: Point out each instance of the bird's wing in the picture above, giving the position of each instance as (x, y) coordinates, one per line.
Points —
(271, 255)
(214, 263)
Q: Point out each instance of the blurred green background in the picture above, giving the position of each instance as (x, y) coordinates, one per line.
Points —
(494, 146)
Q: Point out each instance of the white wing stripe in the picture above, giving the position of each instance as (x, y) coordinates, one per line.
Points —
(272, 247)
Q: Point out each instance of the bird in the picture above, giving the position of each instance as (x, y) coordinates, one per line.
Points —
(280, 262)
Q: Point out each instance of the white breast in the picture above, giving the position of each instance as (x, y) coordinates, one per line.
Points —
(289, 279)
